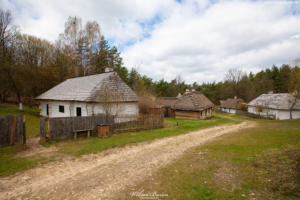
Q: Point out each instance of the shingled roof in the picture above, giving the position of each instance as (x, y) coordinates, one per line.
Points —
(192, 101)
(280, 101)
(232, 103)
(87, 88)
(166, 101)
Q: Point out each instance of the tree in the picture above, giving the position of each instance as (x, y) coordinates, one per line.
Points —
(8, 36)
(111, 100)
(232, 86)
(294, 87)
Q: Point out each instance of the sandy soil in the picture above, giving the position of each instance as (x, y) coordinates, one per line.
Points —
(36, 149)
(104, 175)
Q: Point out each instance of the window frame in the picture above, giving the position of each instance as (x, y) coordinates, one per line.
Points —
(61, 109)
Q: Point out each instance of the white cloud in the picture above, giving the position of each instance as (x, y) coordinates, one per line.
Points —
(201, 46)
(199, 40)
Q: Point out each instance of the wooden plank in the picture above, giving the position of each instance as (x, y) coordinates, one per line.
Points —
(19, 127)
(8, 121)
(118, 117)
(42, 130)
(70, 127)
(24, 130)
(3, 131)
(50, 128)
(13, 130)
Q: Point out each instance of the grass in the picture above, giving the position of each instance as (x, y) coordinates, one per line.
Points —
(11, 164)
(31, 115)
(261, 163)
(122, 139)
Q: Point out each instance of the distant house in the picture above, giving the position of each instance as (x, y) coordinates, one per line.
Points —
(82, 96)
(231, 105)
(193, 105)
(276, 104)
(165, 103)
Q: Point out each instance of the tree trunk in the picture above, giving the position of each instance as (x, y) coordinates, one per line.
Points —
(291, 110)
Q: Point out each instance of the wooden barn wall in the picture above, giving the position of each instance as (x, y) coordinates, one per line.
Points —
(186, 114)
(167, 112)
(63, 127)
(11, 130)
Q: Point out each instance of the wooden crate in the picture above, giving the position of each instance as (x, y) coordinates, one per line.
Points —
(103, 131)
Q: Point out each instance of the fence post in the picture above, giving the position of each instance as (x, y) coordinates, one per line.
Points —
(24, 130)
(13, 130)
(140, 122)
(42, 130)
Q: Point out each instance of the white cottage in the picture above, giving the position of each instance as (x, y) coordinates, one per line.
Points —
(276, 104)
(80, 96)
(231, 105)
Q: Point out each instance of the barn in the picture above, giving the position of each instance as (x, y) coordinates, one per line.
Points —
(193, 105)
(85, 96)
(165, 103)
(277, 104)
(231, 105)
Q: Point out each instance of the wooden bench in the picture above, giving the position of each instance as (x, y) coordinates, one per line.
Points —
(83, 130)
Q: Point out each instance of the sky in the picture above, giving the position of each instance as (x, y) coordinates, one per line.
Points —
(198, 40)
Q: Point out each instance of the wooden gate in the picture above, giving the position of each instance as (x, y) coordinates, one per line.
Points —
(12, 130)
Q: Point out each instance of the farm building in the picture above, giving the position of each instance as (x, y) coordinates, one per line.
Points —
(85, 96)
(193, 105)
(165, 103)
(231, 105)
(276, 104)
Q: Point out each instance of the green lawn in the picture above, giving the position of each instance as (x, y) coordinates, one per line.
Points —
(259, 163)
(123, 139)
(31, 115)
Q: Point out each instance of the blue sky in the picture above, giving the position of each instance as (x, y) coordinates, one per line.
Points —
(199, 40)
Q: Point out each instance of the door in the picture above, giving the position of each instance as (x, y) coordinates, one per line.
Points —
(47, 109)
(78, 111)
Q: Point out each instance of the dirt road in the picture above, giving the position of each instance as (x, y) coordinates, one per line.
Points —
(104, 175)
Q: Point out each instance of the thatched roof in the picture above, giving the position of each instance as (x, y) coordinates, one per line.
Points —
(166, 101)
(232, 103)
(280, 101)
(193, 101)
(87, 88)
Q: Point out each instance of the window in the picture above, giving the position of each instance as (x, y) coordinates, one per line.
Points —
(61, 109)
(47, 109)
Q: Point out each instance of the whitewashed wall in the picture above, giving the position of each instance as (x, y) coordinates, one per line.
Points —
(54, 105)
(43, 108)
(280, 114)
(285, 114)
(228, 110)
(54, 108)
(131, 108)
(87, 109)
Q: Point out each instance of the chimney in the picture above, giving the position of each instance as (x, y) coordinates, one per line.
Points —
(109, 69)
(270, 92)
(187, 90)
(193, 90)
(235, 97)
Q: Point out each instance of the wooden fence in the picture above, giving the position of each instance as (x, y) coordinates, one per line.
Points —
(256, 116)
(126, 123)
(64, 127)
(219, 110)
(12, 130)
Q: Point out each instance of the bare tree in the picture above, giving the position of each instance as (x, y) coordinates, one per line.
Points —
(8, 36)
(112, 101)
(294, 87)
